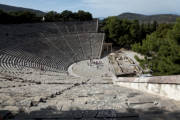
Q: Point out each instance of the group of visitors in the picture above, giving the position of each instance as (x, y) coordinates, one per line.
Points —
(97, 63)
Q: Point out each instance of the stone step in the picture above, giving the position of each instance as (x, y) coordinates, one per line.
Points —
(104, 114)
(5, 114)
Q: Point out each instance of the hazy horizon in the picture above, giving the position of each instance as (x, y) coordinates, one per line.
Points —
(101, 8)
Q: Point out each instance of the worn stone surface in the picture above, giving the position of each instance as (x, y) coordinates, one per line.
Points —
(62, 97)
(102, 101)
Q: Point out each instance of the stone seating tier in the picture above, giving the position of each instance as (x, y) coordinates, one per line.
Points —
(48, 46)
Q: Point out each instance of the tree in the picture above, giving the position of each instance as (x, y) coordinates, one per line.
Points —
(67, 15)
(163, 49)
(18, 17)
(124, 33)
(112, 29)
(154, 25)
(5, 17)
(175, 33)
(52, 16)
(25, 16)
(83, 16)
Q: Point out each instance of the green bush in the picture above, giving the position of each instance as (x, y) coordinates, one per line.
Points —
(163, 47)
(124, 33)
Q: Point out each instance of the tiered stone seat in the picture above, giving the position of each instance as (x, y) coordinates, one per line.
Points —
(80, 27)
(48, 46)
(85, 43)
(29, 60)
(74, 41)
(35, 29)
(19, 63)
(96, 44)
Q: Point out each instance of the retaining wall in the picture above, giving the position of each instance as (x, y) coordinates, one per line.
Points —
(167, 86)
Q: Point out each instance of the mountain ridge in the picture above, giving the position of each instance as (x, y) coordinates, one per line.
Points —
(160, 18)
(9, 8)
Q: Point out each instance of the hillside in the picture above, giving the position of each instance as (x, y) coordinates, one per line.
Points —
(8, 8)
(160, 18)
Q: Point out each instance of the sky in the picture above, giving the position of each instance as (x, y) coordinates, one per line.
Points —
(101, 8)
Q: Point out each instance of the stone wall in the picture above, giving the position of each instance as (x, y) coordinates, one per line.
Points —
(166, 86)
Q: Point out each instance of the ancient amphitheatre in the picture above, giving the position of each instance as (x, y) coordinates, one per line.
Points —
(54, 71)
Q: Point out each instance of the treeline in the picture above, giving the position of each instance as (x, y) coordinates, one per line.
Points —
(30, 17)
(124, 33)
(18, 17)
(161, 50)
(159, 43)
(68, 16)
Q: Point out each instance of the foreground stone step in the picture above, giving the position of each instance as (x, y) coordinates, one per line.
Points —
(95, 114)
(4, 114)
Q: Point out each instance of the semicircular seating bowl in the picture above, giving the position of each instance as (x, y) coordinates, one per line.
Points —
(52, 46)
